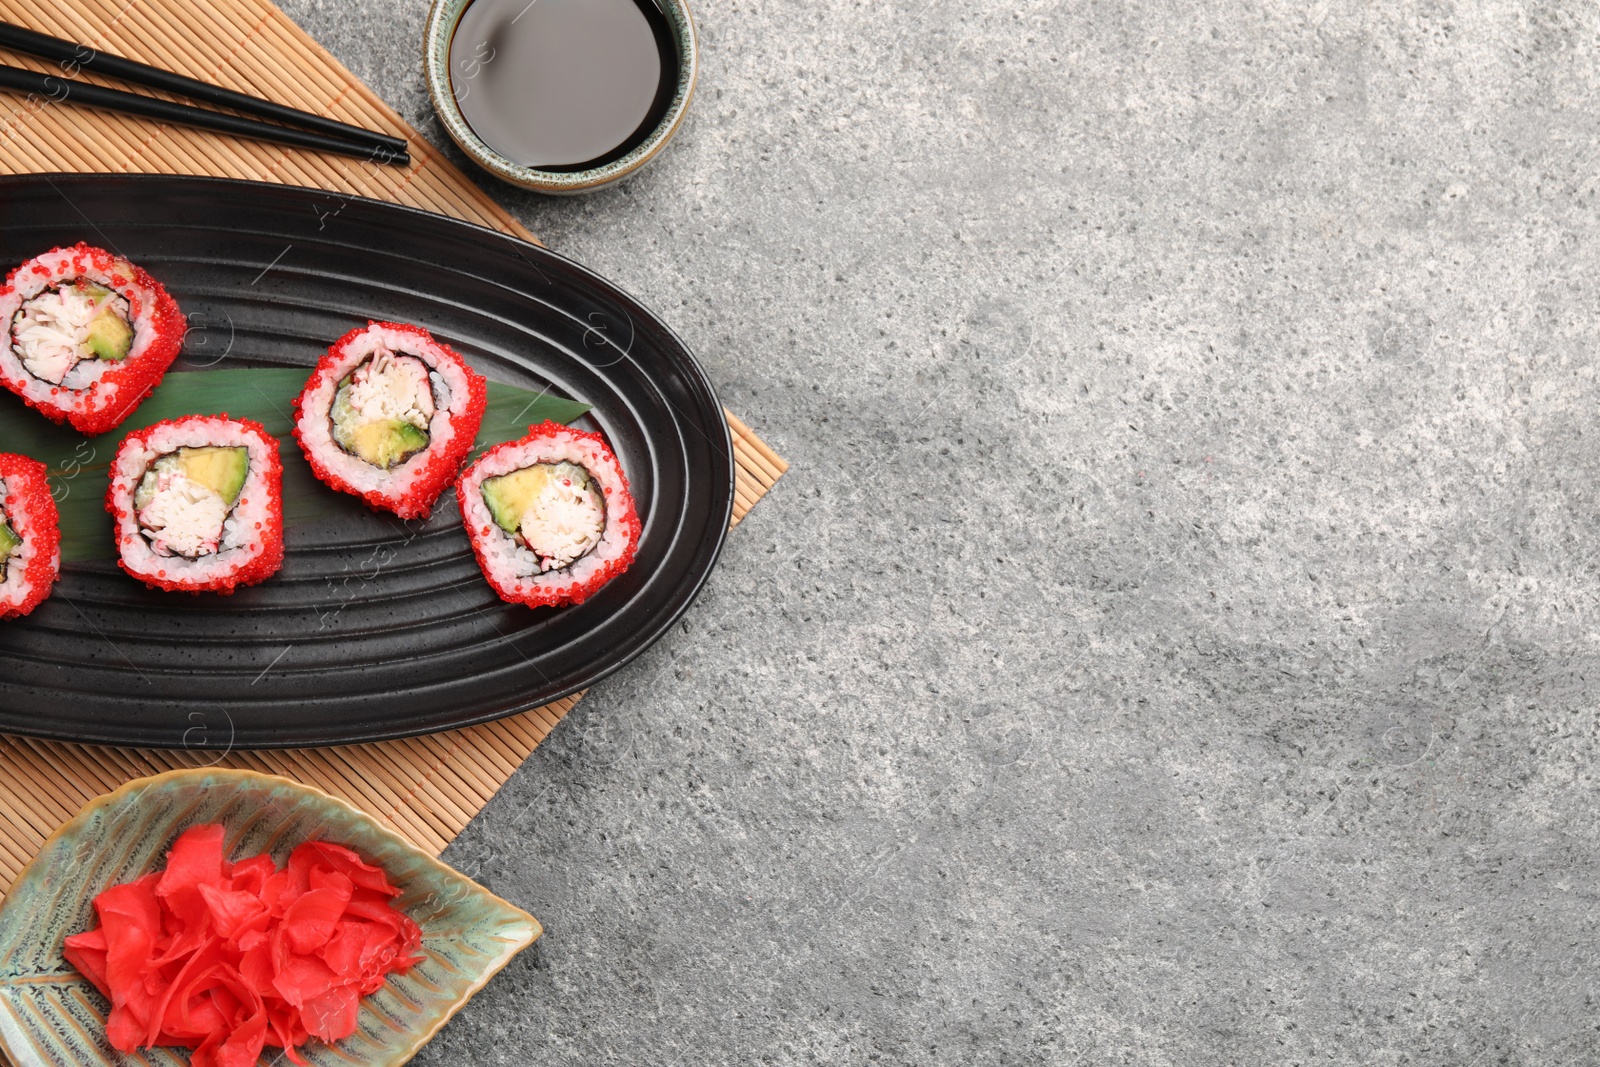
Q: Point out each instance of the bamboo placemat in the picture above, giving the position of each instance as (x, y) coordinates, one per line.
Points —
(427, 788)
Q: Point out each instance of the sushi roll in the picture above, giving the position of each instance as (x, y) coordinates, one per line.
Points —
(389, 415)
(88, 335)
(30, 536)
(198, 504)
(549, 516)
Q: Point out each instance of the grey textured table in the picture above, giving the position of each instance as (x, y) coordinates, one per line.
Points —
(1174, 642)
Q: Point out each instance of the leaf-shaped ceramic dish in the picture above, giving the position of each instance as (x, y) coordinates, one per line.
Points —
(50, 1016)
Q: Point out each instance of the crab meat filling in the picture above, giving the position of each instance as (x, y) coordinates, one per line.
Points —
(185, 497)
(555, 510)
(68, 325)
(383, 408)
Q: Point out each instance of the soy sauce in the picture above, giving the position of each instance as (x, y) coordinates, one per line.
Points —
(563, 85)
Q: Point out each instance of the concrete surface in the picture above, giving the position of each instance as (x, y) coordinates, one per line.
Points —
(1177, 640)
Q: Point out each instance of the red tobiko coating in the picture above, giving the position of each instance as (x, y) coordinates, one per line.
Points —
(103, 406)
(262, 559)
(439, 463)
(31, 510)
(228, 958)
(548, 590)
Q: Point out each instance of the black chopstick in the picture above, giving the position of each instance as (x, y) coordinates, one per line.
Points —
(64, 90)
(20, 39)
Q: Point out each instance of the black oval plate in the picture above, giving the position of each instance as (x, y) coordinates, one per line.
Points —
(376, 628)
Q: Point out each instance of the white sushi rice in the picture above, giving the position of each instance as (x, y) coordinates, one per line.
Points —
(60, 269)
(515, 566)
(241, 531)
(451, 395)
(14, 590)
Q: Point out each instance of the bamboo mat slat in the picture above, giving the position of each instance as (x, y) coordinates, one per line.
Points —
(427, 789)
